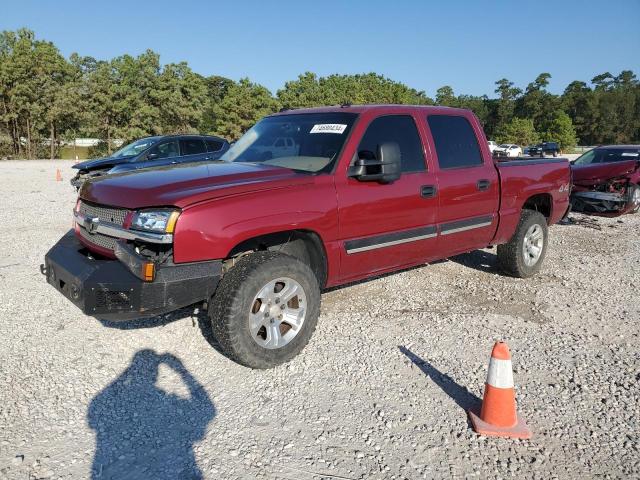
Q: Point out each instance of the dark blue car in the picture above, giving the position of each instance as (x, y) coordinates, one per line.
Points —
(153, 152)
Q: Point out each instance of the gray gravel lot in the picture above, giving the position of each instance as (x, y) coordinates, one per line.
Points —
(380, 392)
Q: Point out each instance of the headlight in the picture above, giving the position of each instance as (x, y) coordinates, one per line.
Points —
(159, 221)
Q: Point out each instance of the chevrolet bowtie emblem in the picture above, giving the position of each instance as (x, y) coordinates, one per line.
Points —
(92, 224)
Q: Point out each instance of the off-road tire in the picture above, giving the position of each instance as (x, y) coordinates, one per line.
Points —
(510, 255)
(230, 306)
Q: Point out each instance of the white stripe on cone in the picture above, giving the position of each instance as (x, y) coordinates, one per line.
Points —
(500, 374)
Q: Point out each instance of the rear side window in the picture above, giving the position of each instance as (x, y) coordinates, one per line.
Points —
(456, 142)
(394, 128)
(213, 145)
(192, 146)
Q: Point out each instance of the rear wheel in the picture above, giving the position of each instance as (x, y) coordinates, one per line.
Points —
(265, 309)
(523, 255)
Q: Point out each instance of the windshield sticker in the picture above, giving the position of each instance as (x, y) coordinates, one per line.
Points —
(328, 128)
(630, 154)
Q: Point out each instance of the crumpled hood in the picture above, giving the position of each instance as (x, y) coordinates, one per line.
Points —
(184, 184)
(101, 163)
(601, 172)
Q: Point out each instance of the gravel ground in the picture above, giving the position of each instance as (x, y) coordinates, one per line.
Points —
(380, 392)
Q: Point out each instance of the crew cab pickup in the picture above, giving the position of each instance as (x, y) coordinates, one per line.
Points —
(366, 190)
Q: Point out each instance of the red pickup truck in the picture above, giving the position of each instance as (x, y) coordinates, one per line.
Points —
(355, 191)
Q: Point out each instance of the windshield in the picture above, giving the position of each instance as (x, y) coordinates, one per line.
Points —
(503, 145)
(136, 147)
(307, 142)
(608, 155)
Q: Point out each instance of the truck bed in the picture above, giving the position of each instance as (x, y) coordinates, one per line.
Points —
(524, 177)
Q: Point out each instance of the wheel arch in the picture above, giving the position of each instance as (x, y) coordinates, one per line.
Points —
(540, 202)
(305, 245)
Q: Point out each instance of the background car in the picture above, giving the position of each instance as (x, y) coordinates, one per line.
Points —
(275, 148)
(507, 150)
(492, 145)
(606, 181)
(153, 152)
(545, 148)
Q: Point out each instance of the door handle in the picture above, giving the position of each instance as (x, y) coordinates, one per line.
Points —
(483, 184)
(428, 191)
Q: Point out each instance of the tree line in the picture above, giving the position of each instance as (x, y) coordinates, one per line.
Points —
(46, 99)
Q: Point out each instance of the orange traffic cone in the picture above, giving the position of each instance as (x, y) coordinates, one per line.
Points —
(498, 416)
(58, 175)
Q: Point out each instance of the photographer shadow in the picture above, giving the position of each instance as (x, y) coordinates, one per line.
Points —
(142, 431)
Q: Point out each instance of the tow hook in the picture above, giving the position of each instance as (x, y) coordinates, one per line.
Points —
(44, 270)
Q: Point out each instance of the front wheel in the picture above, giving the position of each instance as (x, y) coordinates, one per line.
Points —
(523, 256)
(265, 309)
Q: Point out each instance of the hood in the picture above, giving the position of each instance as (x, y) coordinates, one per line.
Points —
(601, 172)
(101, 163)
(184, 184)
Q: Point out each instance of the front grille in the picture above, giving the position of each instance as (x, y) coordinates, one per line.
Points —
(99, 239)
(113, 300)
(113, 215)
(105, 214)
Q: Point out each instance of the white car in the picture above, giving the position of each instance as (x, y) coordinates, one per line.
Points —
(276, 147)
(492, 145)
(507, 150)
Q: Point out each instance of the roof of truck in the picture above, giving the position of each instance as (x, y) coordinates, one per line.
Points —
(364, 108)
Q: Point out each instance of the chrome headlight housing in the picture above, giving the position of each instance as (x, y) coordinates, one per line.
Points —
(155, 220)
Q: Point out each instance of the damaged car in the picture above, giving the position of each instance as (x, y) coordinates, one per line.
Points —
(152, 152)
(606, 181)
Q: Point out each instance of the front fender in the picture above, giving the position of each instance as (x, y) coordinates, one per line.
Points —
(211, 230)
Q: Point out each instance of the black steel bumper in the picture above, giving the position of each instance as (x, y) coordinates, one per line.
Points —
(107, 289)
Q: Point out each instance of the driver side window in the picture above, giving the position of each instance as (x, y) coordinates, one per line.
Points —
(587, 158)
(165, 150)
(400, 129)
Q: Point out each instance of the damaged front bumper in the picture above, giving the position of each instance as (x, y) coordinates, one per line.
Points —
(606, 204)
(107, 288)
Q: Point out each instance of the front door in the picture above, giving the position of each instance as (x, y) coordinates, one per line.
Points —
(385, 226)
(163, 153)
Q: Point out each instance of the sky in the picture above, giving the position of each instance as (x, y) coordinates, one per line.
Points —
(425, 44)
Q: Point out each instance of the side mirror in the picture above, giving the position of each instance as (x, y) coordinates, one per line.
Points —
(385, 168)
(152, 156)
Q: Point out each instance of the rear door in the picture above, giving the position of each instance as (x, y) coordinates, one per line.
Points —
(214, 148)
(383, 226)
(192, 149)
(468, 188)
